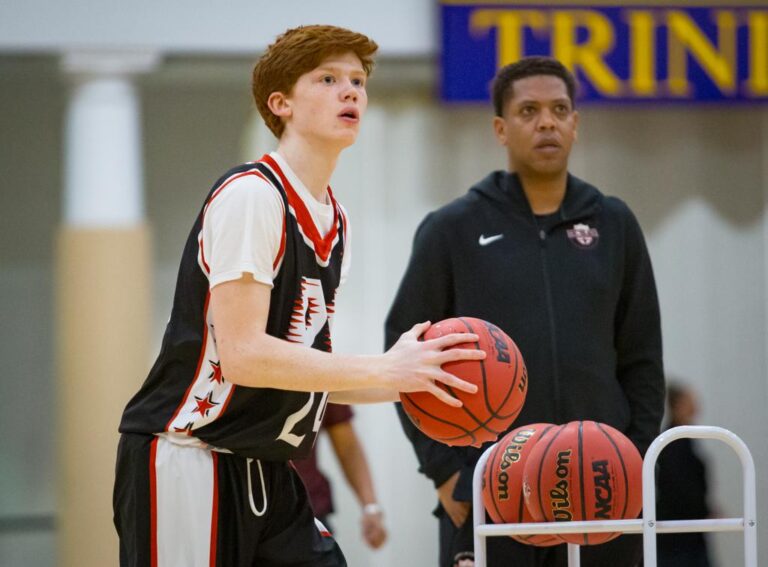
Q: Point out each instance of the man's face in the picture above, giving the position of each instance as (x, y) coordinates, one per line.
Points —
(326, 104)
(538, 127)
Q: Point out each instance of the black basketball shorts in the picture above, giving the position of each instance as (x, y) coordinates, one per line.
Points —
(185, 506)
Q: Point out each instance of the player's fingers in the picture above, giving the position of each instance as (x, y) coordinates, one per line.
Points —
(417, 330)
(455, 382)
(454, 354)
(453, 339)
(443, 396)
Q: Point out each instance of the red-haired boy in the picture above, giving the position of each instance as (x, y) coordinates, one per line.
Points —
(203, 473)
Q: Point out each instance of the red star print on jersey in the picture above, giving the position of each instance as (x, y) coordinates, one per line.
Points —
(205, 404)
(216, 375)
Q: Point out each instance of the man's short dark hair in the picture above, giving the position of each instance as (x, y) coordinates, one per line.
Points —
(503, 83)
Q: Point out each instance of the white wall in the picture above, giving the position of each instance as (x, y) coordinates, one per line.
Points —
(401, 27)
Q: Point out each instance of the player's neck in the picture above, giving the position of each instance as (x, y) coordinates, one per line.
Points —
(312, 163)
(545, 194)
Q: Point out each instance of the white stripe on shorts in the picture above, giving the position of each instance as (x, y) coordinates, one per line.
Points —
(185, 481)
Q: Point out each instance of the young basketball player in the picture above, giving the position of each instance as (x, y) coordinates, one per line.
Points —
(203, 476)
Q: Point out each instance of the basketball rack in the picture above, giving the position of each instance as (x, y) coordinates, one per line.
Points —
(647, 524)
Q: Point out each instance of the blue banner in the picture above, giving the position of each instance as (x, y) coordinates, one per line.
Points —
(618, 53)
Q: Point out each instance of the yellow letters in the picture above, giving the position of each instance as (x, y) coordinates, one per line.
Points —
(510, 25)
(642, 52)
(719, 63)
(589, 55)
(686, 41)
(758, 54)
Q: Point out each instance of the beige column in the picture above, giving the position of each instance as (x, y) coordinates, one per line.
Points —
(103, 295)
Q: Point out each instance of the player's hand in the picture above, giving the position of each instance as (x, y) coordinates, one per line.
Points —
(374, 532)
(415, 366)
(457, 511)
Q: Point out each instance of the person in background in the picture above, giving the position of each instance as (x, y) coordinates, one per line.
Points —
(682, 492)
(348, 449)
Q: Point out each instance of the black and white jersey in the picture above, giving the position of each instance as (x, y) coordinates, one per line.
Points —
(258, 219)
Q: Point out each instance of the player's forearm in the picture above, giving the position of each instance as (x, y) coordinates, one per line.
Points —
(364, 396)
(251, 357)
(268, 362)
(359, 478)
(351, 456)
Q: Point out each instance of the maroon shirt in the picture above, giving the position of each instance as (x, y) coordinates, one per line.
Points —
(317, 484)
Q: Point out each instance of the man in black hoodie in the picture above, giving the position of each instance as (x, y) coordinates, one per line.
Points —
(564, 270)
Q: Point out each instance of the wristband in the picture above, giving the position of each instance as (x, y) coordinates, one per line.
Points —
(372, 509)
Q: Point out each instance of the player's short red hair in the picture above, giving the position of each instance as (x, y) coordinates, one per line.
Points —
(298, 51)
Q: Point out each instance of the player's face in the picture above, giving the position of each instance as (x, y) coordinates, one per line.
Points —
(327, 103)
(539, 126)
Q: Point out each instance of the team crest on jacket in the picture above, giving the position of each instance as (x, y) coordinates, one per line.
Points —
(583, 235)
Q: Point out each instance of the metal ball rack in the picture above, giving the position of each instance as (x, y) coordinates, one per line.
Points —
(647, 523)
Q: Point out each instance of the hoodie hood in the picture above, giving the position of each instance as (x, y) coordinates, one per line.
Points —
(581, 198)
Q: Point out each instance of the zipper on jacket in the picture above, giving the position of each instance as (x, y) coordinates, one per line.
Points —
(551, 316)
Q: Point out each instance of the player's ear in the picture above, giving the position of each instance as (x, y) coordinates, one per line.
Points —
(500, 129)
(279, 104)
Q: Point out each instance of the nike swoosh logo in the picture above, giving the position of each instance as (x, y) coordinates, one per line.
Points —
(486, 240)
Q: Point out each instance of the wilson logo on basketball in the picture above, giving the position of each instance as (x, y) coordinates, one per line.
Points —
(603, 490)
(560, 495)
(584, 471)
(504, 491)
(511, 455)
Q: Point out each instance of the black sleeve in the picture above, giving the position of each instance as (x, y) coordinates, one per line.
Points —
(425, 294)
(638, 340)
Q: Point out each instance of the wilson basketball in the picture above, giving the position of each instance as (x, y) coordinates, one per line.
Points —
(503, 481)
(502, 384)
(583, 471)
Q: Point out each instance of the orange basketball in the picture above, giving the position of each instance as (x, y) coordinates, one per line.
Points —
(503, 481)
(502, 385)
(583, 471)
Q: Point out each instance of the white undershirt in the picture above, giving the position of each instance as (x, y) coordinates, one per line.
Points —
(243, 224)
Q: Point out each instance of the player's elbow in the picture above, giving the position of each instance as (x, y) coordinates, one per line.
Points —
(243, 364)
